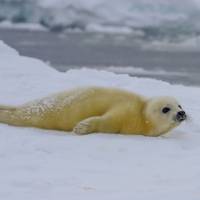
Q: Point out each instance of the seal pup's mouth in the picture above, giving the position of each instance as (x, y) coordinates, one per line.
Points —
(180, 116)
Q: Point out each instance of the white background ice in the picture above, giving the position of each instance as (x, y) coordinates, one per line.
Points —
(43, 164)
(105, 16)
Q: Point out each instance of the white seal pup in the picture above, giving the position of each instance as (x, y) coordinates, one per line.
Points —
(97, 109)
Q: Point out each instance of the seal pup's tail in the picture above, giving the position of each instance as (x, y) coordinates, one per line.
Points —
(3, 107)
(7, 114)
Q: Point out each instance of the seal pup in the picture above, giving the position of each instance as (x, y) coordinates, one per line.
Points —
(98, 109)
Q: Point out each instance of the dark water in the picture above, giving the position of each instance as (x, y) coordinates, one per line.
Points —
(74, 50)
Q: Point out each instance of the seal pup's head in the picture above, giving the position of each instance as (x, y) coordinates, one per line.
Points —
(165, 113)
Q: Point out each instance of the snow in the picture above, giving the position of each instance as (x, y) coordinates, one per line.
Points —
(129, 12)
(100, 15)
(166, 25)
(185, 44)
(141, 71)
(43, 164)
(22, 26)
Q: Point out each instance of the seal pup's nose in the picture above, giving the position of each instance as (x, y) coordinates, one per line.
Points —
(181, 116)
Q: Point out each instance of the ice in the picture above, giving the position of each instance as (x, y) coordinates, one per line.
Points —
(6, 50)
(23, 26)
(44, 164)
(166, 25)
(108, 16)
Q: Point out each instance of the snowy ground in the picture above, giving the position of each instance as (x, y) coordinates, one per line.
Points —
(42, 164)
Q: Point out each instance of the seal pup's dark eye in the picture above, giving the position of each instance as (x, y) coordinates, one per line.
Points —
(166, 110)
(180, 106)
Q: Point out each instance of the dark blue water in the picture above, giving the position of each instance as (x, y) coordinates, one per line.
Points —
(75, 50)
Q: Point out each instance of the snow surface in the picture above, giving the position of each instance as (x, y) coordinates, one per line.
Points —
(50, 165)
